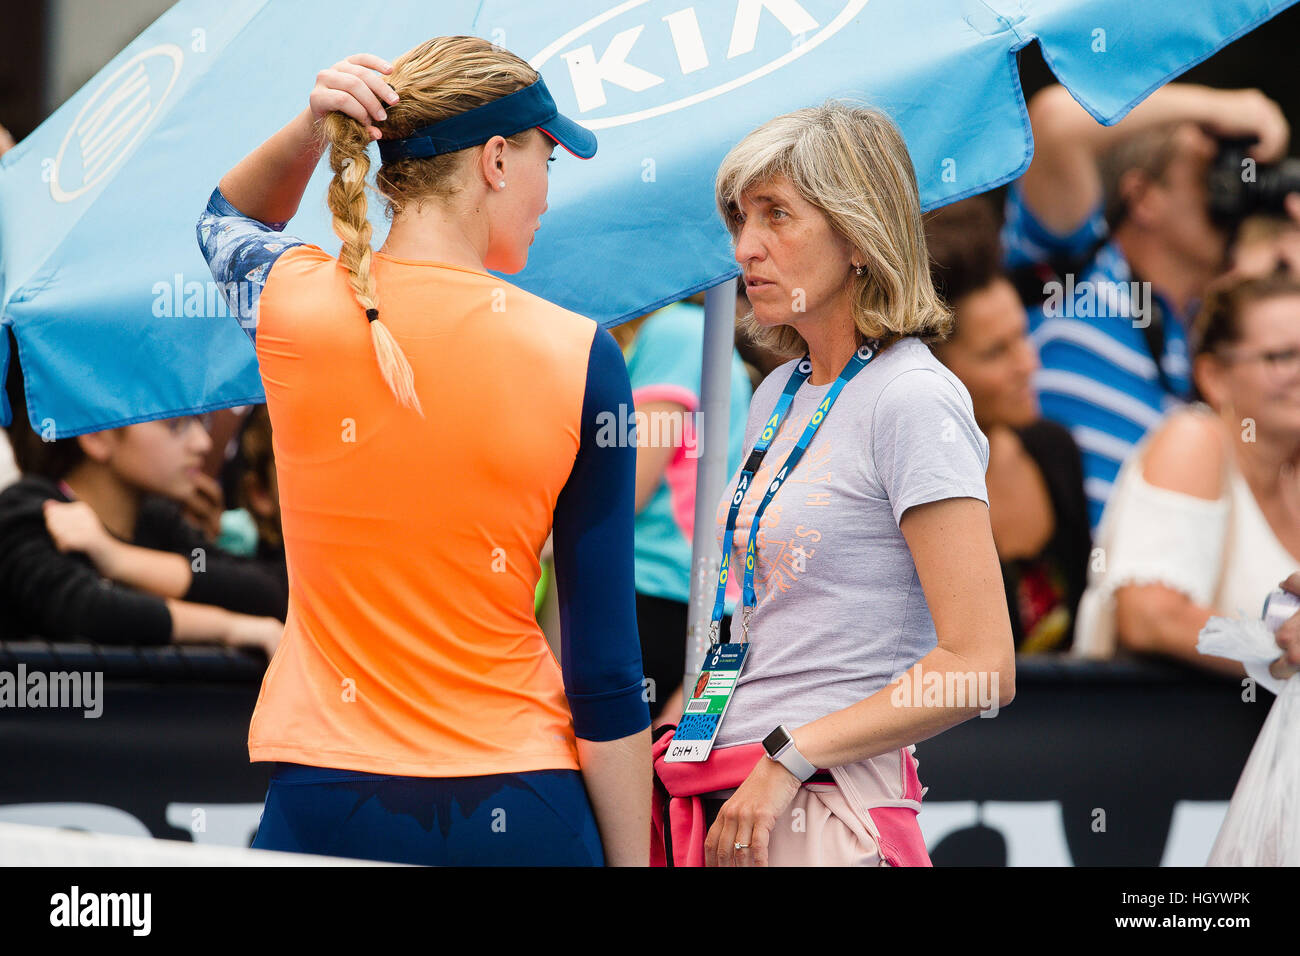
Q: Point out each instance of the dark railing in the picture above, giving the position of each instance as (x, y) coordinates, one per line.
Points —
(169, 662)
(1094, 763)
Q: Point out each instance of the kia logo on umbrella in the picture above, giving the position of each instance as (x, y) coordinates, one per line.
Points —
(112, 121)
(618, 64)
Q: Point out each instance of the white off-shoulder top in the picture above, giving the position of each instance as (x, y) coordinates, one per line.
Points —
(1222, 554)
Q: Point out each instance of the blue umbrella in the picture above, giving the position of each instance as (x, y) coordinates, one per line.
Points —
(114, 311)
(113, 308)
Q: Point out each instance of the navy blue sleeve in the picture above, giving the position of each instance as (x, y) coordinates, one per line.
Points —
(600, 650)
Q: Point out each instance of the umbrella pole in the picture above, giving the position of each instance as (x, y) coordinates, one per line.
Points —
(711, 474)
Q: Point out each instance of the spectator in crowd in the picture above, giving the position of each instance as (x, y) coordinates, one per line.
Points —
(1035, 478)
(664, 354)
(93, 545)
(1121, 215)
(1205, 518)
(206, 503)
(1267, 243)
(253, 528)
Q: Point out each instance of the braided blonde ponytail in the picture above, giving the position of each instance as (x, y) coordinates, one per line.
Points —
(347, 201)
(439, 78)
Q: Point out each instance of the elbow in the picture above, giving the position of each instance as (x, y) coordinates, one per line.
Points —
(1138, 613)
(1007, 687)
(1002, 665)
(1005, 674)
(610, 715)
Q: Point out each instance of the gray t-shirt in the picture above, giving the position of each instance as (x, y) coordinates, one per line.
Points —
(840, 608)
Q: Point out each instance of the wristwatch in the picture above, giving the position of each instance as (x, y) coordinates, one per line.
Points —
(780, 747)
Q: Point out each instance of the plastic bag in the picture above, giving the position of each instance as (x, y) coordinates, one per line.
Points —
(1262, 826)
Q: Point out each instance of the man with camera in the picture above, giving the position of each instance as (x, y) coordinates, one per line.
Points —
(1114, 232)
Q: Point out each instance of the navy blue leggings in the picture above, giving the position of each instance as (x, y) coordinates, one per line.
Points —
(539, 818)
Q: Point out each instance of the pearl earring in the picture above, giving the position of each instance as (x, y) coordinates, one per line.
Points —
(501, 185)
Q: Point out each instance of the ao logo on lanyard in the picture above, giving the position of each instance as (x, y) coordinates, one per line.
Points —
(698, 727)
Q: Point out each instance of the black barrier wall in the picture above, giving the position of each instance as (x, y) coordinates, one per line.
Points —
(1094, 764)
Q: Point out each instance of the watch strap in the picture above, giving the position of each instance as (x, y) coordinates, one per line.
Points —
(790, 758)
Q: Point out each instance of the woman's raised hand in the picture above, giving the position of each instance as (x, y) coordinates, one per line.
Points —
(354, 86)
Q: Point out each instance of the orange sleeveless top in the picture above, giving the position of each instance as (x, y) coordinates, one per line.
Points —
(411, 645)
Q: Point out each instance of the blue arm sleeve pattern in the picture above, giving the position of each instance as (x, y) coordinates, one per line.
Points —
(600, 651)
(1026, 241)
(240, 252)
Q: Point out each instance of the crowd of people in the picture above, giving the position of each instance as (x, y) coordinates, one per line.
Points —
(120, 537)
(1159, 278)
(1079, 408)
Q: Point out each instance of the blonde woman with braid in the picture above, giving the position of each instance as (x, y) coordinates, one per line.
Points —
(432, 424)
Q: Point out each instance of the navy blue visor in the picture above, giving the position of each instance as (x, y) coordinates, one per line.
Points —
(523, 109)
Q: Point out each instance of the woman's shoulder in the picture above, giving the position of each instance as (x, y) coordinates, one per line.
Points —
(526, 314)
(679, 325)
(1187, 453)
(517, 297)
(910, 376)
(30, 488)
(23, 500)
(682, 317)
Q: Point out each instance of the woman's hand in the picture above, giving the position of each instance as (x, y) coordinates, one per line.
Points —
(74, 526)
(204, 505)
(749, 816)
(1288, 638)
(353, 87)
(268, 183)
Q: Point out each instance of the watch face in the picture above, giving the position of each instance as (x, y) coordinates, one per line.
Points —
(774, 741)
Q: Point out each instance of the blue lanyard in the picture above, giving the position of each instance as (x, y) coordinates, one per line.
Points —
(800, 375)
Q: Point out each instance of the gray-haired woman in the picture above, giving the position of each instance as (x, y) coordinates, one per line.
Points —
(874, 562)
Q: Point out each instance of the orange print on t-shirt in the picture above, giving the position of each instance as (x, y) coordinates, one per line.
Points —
(784, 555)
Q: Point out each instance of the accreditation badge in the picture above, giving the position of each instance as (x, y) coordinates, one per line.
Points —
(698, 727)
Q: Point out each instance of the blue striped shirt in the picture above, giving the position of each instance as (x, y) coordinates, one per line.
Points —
(1097, 377)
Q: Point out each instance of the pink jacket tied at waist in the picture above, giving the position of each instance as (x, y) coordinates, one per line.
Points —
(679, 786)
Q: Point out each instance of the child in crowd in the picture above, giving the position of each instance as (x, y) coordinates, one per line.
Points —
(94, 545)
